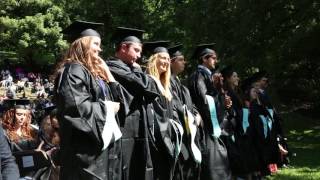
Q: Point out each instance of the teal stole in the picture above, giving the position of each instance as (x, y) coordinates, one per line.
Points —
(245, 119)
(267, 122)
(213, 116)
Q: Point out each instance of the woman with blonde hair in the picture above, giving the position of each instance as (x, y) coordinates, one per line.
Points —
(159, 68)
(167, 133)
(85, 107)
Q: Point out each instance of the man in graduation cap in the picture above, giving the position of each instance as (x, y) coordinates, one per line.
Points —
(260, 81)
(141, 90)
(188, 166)
(205, 89)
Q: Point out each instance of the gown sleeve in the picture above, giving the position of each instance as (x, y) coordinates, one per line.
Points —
(9, 169)
(198, 91)
(134, 80)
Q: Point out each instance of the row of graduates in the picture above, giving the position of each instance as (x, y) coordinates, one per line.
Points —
(117, 121)
(239, 133)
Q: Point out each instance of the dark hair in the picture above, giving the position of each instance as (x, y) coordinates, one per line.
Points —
(118, 47)
(200, 59)
(53, 113)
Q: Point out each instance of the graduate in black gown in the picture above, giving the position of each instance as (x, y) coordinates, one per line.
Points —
(205, 89)
(135, 125)
(23, 137)
(261, 82)
(49, 134)
(188, 165)
(85, 108)
(264, 141)
(17, 124)
(167, 132)
(242, 157)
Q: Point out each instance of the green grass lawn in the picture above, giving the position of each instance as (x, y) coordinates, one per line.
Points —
(303, 134)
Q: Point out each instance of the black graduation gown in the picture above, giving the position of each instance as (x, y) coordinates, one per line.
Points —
(187, 167)
(241, 152)
(134, 123)
(8, 168)
(266, 102)
(277, 126)
(215, 163)
(164, 150)
(265, 146)
(24, 144)
(24, 147)
(81, 115)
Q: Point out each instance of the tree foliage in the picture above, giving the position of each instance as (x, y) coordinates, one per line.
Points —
(31, 28)
(280, 36)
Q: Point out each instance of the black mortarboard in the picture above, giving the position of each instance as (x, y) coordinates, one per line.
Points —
(155, 47)
(124, 34)
(150, 48)
(16, 103)
(259, 75)
(175, 51)
(202, 50)
(48, 107)
(246, 84)
(79, 29)
(227, 71)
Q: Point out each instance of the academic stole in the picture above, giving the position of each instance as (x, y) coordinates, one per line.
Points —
(191, 129)
(178, 129)
(267, 122)
(213, 117)
(245, 119)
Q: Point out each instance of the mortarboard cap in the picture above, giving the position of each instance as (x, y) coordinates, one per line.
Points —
(227, 71)
(124, 34)
(155, 47)
(259, 75)
(202, 50)
(150, 48)
(246, 84)
(16, 103)
(48, 107)
(175, 51)
(79, 29)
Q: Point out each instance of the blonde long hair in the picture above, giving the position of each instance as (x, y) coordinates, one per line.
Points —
(79, 52)
(164, 77)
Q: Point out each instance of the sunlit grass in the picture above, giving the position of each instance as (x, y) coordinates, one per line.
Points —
(297, 173)
(304, 139)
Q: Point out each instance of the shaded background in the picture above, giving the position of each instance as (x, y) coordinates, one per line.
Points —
(279, 36)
